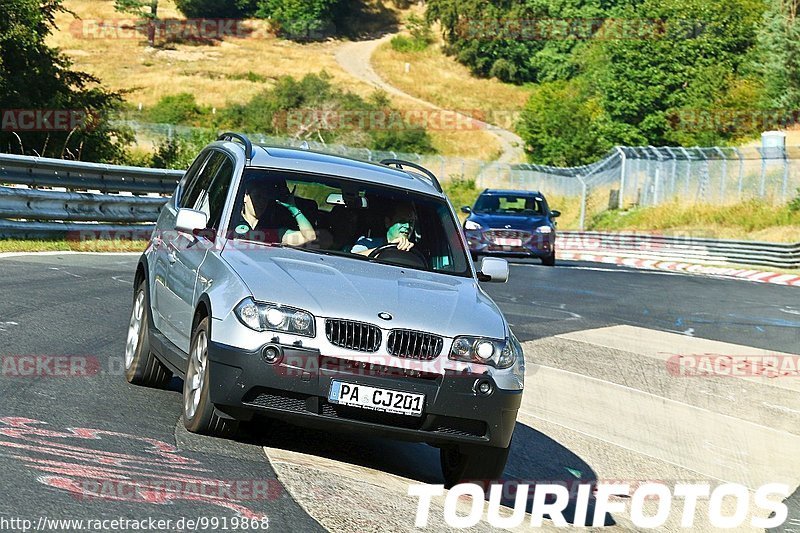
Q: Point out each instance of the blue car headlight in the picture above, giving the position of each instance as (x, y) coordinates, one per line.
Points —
(544, 230)
(471, 225)
(272, 317)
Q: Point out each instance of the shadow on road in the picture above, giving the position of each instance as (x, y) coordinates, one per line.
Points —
(535, 457)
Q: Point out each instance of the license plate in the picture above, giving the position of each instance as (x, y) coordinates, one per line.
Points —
(508, 242)
(375, 399)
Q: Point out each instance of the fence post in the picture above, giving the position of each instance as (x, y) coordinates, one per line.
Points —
(724, 178)
(741, 171)
(621, 199)
(583, 203)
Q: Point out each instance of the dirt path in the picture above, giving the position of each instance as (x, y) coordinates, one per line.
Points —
(355, 58)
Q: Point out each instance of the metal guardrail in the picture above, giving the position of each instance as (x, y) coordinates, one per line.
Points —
(44, 172)
(37, 213)
(81, 199)
(682, 248)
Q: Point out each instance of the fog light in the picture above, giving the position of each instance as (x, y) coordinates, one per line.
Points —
(272, 354)
(484, 388)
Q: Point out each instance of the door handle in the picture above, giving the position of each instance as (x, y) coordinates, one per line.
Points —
(172, 256)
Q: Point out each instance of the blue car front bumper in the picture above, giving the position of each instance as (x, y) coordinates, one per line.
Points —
(510, 242)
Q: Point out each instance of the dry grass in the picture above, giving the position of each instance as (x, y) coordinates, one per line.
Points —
(30, 245)
(440, 79)
(747, 221)
(210, 71)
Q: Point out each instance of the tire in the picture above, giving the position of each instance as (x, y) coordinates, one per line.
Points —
(550, 260)
(142, 367)
(478, 464)
(199, 414)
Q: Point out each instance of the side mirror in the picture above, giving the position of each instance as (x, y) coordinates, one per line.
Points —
(555, 214)
(190, 221)
(494, 270)
(466, 209)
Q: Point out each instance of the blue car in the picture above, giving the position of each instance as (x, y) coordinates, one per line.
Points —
(512, 223)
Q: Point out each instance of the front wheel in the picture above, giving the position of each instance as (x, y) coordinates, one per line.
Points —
(142, 367)
(479, 464)
(199, 414)
(549, 260)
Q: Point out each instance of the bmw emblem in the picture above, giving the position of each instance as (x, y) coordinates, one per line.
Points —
(384, 316)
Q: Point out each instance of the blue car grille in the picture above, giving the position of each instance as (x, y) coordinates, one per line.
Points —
(493, 234)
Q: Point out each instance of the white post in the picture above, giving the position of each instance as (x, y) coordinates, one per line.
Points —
(621, 199)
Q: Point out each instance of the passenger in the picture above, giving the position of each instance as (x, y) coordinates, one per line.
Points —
(400, 226)
(269, 209)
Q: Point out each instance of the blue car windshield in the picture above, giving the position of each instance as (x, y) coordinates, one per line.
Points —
(337, 216)
(510, 205)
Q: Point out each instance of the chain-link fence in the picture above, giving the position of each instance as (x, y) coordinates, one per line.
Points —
(627, 176)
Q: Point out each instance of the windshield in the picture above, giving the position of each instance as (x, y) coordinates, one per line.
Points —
(341, 217)
(510, 205)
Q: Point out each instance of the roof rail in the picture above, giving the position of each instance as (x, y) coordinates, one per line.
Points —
(248, 146)
(399, 163)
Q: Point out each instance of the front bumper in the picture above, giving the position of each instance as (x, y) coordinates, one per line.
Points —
(537, 245)
(243, 384)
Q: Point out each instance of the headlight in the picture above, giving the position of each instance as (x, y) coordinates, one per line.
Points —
(273, 317)
(470, 225)
(499, 354)
(544, 230)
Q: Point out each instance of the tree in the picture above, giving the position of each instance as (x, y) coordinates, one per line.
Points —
(37, 78)
(147, 9)
(778, 56)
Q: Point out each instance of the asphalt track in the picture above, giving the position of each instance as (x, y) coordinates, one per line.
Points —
(599, 403)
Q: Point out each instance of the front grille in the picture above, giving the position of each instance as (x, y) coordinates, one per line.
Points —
(353, 335)
(362, 368)
(414, 344)
(493, 234)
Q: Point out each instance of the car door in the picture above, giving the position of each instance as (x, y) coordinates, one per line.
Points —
(165, 231)
(189, 251)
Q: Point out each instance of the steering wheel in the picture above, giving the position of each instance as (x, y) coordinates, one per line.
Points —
(412, 258)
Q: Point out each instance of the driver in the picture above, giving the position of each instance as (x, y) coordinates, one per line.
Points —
(400, 224)
(269, 208)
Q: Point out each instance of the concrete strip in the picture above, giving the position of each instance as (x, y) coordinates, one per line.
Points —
(746, 400)
(662, 345)
(709, 443)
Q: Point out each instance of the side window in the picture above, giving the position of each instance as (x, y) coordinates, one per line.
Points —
(190, 179)
(196, 191)
(218, 193)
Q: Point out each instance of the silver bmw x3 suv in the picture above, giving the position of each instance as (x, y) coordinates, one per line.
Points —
(328, 292)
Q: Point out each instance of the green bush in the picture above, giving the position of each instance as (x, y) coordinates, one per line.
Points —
(461, 191)
(794, 205)
(421, 36)
(405, 44)
(179, 108)
(215, 8)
